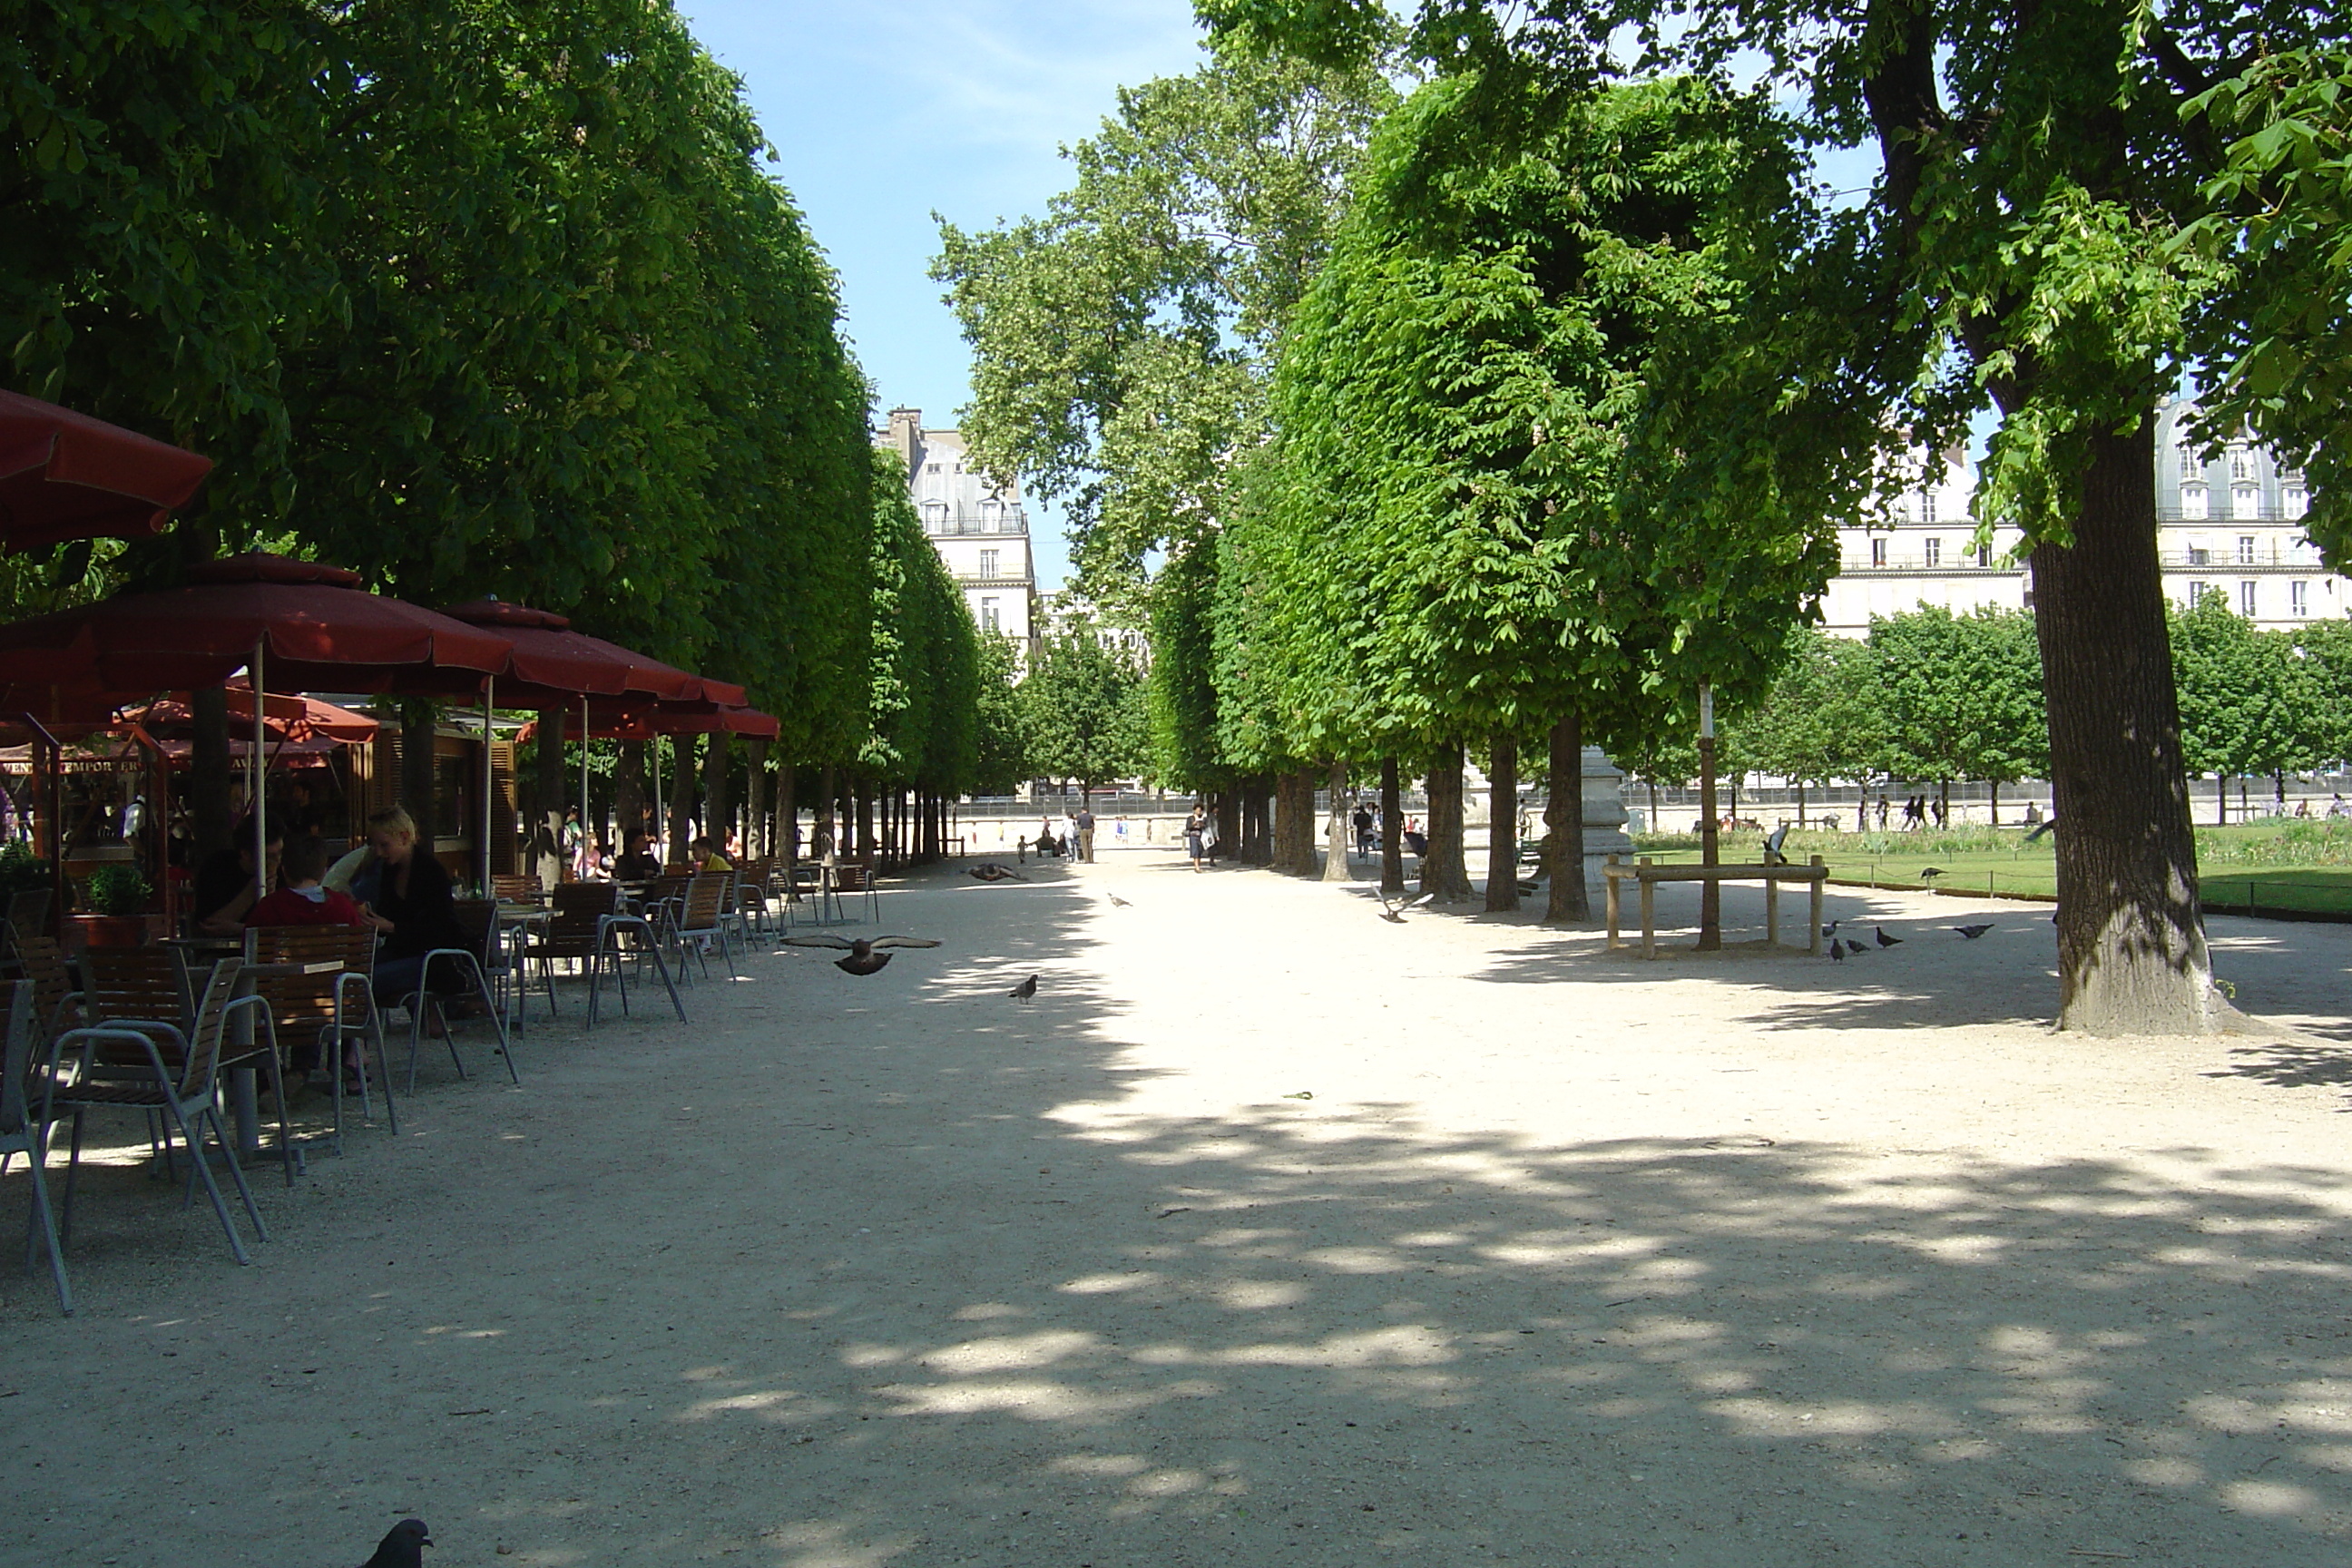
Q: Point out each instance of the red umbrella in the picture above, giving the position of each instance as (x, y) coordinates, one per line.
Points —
(66, 475)
(548, 654)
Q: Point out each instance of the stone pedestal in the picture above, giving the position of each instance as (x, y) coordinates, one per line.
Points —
(1604, 813)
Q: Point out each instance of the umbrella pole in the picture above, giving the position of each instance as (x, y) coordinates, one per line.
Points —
(584, 857)
(490, 780)
(260, 795)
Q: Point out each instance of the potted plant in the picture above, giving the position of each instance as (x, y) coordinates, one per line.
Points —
(118, 896)
(21, 870)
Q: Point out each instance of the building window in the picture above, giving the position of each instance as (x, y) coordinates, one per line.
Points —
(988, 615)
(1878, 552)
(1927, 507)
(2245, 550)
(2298, 599)
(2246, 599)
(1984, 554)
(2194, 501)
(935, 515)
(2297, 499)
(988, 562)
(2245, 500)
(1935, 551)
(2199, 556)
(2242, 463)
(930, 468)
(2189, 462)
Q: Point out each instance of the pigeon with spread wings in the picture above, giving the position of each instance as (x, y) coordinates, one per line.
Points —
(863, 955)
(1393, 910)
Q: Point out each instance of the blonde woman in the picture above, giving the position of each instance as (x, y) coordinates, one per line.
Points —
(414, 907)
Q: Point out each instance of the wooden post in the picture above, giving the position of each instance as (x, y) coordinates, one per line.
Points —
(1615, 898)
(1813, 931)
(1649, 915)
(1772, 910)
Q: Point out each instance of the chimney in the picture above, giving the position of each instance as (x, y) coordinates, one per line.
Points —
(905, 436)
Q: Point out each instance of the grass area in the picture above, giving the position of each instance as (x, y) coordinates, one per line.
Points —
(2287, 867)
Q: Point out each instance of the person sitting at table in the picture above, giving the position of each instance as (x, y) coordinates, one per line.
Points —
(414, 908)
(706, 856)
(225, 888)
(638, 863)
(301, 902)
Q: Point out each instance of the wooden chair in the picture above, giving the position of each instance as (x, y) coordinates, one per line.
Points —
(702, 917)
(855, 876)
(478, 919)
(520, 888)
(57, 1005)
(333, 1010)
(571, 935)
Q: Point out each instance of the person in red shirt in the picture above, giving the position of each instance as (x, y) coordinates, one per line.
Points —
(301, 902)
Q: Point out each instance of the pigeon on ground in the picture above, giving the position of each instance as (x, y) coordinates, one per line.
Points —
(1117, 903)
(863, 958)
(1837, 951)
(1931, 873)
(1393, 912)
(1972, 932)
(1025, 990)
(1884, 940)
(990, 871)
(1831, 929)
(402, 1548)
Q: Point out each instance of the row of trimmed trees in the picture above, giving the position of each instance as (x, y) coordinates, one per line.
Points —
(478, 297)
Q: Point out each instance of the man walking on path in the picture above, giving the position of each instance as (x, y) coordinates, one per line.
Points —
(1086, 821)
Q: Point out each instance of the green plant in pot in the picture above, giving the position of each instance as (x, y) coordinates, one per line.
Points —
(119, 890)
(21, 870)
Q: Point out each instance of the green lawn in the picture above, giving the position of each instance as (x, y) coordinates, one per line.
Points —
(2290, 867)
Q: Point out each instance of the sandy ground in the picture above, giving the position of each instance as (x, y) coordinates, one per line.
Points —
(1569, 1258)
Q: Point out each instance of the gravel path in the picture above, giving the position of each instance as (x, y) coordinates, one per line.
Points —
(1269, 1233)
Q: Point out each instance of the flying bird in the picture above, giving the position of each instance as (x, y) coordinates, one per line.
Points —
(1884, 940)
(863, 957)
(1931, 873)
(1393, 912)
(990, 871)
(402, 1548)
(1026, 990)
(1972, 932)
(1837, 951)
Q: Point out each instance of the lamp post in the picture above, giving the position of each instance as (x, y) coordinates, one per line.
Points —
(1710, 892)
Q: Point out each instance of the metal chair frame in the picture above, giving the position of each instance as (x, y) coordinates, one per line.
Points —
(351, 1013)
(187, 1102)
(21, 1133)
(701, 916)
(423, 998)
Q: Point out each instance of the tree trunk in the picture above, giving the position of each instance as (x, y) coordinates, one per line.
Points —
(827, 825)
(715, 759)
(1996, 802)
(866, 819)
(756, 837)
(1800, 805)
(1502, 824)
(787, 840)
(1246, 802)
(1652, 784)
(2131, 939)
(681, 800)
(547, 781)
(629, 791)
(1391, 830)
(418, 720)
(1337, 835)
(1442, 870)
(209, 824)
(2222, 799)
(1564, 825)
(1294, 823)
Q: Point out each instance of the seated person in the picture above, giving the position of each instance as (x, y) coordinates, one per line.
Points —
(225, 882)
(707, 857)
(301, 902)
(414, 908)
(638, 863)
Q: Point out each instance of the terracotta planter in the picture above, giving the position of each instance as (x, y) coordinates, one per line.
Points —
(112, 930)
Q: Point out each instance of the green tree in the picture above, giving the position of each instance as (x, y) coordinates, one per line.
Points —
(1002, 760)
(1083, 708)
(2022, 253)
(1482, 514)
(2251, 701)
(1960, 695)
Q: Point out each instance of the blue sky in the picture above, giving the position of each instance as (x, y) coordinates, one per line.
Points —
(886, 113)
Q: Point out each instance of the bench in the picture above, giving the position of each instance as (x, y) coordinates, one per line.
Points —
(1647, 874)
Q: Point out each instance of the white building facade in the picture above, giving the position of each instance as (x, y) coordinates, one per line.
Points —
(2231, 526)
(978, 527)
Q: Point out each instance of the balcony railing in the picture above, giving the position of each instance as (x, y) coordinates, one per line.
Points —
(1011, 525)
